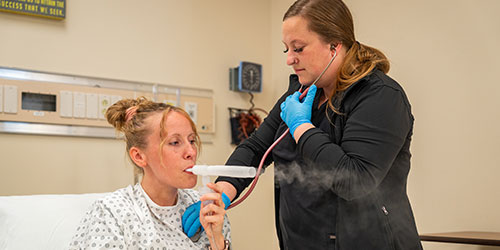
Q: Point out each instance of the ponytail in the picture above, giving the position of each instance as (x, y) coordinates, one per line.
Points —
(360, 60)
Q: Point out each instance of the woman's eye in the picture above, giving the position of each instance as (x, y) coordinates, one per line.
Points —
(174, 143)
(193, 140)
(298, 50)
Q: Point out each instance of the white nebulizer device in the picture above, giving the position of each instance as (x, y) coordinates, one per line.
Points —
(223, 170)
(205, 171)
(219, 170)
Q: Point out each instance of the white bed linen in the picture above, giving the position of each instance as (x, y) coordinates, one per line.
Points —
(41, 221)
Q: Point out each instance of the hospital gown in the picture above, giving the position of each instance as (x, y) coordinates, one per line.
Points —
(129, 219)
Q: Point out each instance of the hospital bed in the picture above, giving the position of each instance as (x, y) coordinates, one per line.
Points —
(41, 221)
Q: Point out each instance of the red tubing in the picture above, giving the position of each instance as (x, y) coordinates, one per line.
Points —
(254, 182)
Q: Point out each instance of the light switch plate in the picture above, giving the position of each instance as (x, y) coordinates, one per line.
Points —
(66, 104)
(10, 99)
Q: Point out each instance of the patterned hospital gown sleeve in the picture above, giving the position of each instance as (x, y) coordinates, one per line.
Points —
(98, 230)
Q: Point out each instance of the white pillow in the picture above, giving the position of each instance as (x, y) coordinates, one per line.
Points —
(41, 221)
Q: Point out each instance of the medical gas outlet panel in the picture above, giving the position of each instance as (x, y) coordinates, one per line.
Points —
(70, 104)
(52, 103)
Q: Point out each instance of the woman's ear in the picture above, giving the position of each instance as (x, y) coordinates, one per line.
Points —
(335, 48)
(138, 157)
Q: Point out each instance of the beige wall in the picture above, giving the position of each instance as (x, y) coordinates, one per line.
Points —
(444, 53)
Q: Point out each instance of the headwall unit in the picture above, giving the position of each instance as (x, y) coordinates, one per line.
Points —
(54, 104)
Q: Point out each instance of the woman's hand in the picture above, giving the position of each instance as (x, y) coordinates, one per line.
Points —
(191, 217)
(295, 112)
(212, 215)
(228, 189)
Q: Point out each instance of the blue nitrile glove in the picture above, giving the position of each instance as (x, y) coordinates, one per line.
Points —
(294, 112)
(191, 218)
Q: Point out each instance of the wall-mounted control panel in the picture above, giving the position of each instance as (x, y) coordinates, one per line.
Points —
(55, 103)
(72, 104)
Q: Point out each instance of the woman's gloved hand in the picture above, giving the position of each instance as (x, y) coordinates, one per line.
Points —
(294, 112)
(191, 218)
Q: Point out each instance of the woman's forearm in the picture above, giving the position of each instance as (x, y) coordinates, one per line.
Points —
(228, 189)
(219, 241)
(301, 129)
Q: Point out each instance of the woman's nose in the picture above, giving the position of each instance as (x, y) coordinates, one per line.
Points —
(290, 59)
(190, 152)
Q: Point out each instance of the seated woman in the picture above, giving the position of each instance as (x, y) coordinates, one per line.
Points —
(162, 142)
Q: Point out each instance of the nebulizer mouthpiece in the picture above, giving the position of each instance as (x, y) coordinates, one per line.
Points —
(219, 170)
(222, 170)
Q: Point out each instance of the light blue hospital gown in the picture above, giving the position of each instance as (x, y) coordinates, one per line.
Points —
(129, 219)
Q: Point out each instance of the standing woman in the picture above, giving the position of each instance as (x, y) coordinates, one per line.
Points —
(341, 172)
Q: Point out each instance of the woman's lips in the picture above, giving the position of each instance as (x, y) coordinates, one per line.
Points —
(298, 70)
(189, 168)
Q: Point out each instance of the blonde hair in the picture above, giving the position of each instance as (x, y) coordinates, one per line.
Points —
(128, 116)
(332, 21)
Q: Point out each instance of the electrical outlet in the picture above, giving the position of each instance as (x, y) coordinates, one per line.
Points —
(104, 103)
(192, 109)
